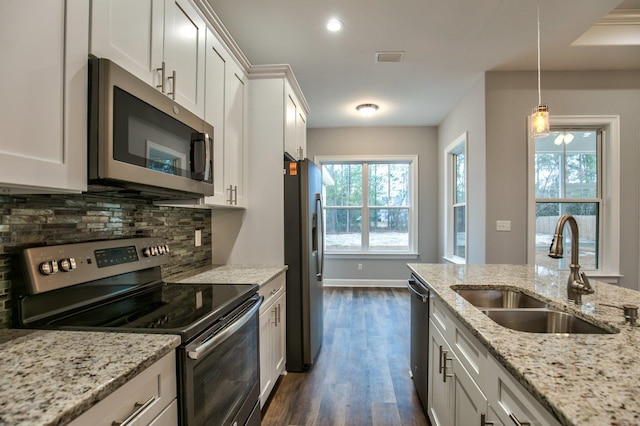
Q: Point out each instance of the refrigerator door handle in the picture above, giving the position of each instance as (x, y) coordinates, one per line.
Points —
(319, 231)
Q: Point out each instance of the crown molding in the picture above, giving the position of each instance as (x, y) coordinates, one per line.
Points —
(257, 72)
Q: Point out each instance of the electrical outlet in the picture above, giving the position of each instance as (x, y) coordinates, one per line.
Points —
(503, 225)
(198, 238)
(359, 266)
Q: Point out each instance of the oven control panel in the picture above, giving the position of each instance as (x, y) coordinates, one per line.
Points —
(54, 267)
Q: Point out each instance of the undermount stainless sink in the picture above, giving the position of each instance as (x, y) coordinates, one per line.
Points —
(543, 321)
(490, 298)
(519, 311)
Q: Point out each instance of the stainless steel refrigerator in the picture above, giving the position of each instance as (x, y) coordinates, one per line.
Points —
(304, 255)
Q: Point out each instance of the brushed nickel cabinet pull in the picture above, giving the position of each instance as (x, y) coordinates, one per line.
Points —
(162, 77)
(484, 422)
(137, 409)
(518, 422)
(172, 93)
(444, 367)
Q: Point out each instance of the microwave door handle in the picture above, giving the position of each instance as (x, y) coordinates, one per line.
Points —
(209, 345)
(198, 155)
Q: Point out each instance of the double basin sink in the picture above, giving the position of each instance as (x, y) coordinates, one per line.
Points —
(516, 310)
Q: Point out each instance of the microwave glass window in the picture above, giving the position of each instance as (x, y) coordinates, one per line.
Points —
(147, 137)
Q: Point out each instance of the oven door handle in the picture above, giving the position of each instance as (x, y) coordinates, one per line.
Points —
(210, 344)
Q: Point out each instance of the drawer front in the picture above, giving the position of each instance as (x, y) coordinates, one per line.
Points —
(470, 352)
(147, 395)
(271, 291)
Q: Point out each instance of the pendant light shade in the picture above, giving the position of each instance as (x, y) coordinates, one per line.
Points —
(540, 115)
(540, 121)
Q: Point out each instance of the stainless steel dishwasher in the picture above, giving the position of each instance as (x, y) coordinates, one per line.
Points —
(419, 337)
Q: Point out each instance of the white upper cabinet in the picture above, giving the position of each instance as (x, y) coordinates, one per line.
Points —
(160, 41)
(184, 54)
(295, 137)
(43, 116)
(214, 112)
(129, 33)
(235, 134)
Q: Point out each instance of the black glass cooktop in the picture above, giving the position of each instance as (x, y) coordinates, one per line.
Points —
(185, 309)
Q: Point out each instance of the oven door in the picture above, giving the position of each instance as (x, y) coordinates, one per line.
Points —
(221, 373)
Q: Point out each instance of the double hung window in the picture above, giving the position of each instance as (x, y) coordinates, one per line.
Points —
(575, 170)
(370, 205)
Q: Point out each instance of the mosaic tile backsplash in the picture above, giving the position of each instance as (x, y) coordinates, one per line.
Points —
(36, 220)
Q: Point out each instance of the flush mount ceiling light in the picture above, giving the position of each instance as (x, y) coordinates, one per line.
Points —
(540, 114)
(367, 109)
(334, 25)
(564, 137)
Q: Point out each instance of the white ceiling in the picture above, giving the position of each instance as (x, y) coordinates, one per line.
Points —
(447, 45)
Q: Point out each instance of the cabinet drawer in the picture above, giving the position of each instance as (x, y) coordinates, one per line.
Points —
(470, 352)
(511, 402)
(271, 291)
(438, 314)
(155, 388)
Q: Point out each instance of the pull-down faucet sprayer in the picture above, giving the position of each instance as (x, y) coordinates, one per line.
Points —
(578, 283)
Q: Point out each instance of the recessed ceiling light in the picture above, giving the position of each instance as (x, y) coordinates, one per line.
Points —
(334, 25)
(367, 109)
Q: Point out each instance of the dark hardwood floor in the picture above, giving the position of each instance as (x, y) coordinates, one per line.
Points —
(361, 376)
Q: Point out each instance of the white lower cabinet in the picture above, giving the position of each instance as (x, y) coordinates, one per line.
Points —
(454, 397)
(272, 335)
(467, 385)
(150, 398)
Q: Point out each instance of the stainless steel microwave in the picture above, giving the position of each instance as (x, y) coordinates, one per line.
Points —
(141, 142)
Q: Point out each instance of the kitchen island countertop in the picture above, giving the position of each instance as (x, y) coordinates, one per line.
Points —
(582, 379)
(51, 377)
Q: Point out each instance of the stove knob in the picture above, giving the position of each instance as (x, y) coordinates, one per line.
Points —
(154, 251)
(48, 268)
(160, 249)
(68, 264)
(166, 248)
(146, 252)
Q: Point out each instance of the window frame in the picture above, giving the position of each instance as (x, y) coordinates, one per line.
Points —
(459, 145)
(412, 160)
(609, 181)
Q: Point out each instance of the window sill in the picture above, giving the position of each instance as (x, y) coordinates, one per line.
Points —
(362, 255)
(455, 260)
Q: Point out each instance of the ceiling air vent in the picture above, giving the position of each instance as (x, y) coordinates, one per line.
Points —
(389, 56)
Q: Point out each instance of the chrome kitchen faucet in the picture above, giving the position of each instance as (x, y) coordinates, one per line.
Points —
(578, 283)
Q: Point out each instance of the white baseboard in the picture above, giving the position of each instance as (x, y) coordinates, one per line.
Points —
(364, 283)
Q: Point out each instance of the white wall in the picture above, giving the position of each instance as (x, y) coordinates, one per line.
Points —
(468, 116)
(509, 99)
(421, 141)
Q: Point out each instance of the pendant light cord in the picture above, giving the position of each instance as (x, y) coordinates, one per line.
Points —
(539, 94)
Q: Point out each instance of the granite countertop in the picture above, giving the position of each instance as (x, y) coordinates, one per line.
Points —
(580, 378)
(230, 274)
(51, 377)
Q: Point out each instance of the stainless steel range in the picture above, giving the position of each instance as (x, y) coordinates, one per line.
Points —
(117, 285)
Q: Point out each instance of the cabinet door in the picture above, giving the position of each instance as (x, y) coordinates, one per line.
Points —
(290, 142)
(234, 138)
(129, 33)
(266, 319)
(301, 132)
(43, 116)
(470, 403)
(440, 408)
(279, 337)
(214, 113)
(184, 54)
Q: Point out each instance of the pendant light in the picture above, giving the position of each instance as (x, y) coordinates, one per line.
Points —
(540, 114)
